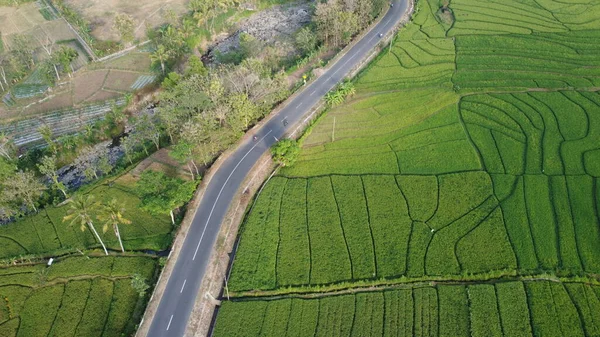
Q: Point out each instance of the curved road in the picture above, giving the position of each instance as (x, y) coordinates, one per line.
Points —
(177, 302)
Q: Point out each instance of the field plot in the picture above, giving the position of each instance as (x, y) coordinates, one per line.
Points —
(28, 19)
(519, 62)
(464, 173)
(492, 17)
(77, 296)
(501, 309)
(375, 232)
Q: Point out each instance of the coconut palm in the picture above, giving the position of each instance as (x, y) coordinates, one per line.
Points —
(80, 209)
(112, 215)
(160, 55)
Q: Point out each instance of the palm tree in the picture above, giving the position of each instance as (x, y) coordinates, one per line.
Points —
(160, 55)
(111, 214)
(80, 212)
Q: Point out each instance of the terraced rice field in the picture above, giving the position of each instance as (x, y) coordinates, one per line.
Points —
(77, 296)
(459, 196)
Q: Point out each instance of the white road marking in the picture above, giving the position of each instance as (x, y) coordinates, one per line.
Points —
(169, 325)
(221, 191)
(183, 286)
(312, 93)
(276, 139)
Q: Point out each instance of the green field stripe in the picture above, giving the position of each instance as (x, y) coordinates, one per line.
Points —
(581, 195)
(539, 213)
(336, 315)
(349, 196)
(293, 256)
(36, 322)
(441, 257)
(569, 319)
(368, 318)
(344, 234)
(422, 195)
(513, 309)
(96, 308)
(426, 312)
(485, 318)
(276, 318)
(456, 198)
(570, 257)
(486, 247)
(255, 260)
(454, 311)
(330, 258)
(240, 319)
(390, 223)
(303, 318)
(519, 229)
(71, 310)
(577, 294)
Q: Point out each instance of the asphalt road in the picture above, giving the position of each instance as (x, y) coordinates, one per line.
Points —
(179, 297)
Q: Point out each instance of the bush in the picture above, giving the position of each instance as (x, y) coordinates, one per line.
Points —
(285, 152)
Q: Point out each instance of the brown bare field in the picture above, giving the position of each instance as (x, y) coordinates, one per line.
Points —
(120, 80)
(86, 84)
(103, 95)
(135, 61)
(162, 162)
(60, 101)
(27, 19)
(101, 14)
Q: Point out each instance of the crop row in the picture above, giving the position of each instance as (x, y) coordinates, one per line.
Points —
(340, 228)
(46, 232)
(84, 306)
(513, 309)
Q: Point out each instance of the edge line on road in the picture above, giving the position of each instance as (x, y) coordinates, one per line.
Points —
(169, 325)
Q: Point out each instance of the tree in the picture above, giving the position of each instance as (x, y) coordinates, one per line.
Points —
(285, 152)
(130, 145)
(47, 167)
(47, 134)
(139, 284)
(183, 152)
(161, 55)
(80, 212)
(161, 194)
(23, 188)
(125, 25)
(306, 40)
(112, 215)
(7, 147)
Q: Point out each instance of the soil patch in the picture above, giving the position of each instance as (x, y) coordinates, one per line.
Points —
(101, 14)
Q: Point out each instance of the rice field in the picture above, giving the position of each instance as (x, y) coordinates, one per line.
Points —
(456, 194)
(76, 296)
(499, 309)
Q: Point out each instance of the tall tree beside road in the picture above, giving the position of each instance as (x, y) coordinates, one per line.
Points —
(80, 212)
(337, 21)
(161, 194)
(111, 214)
